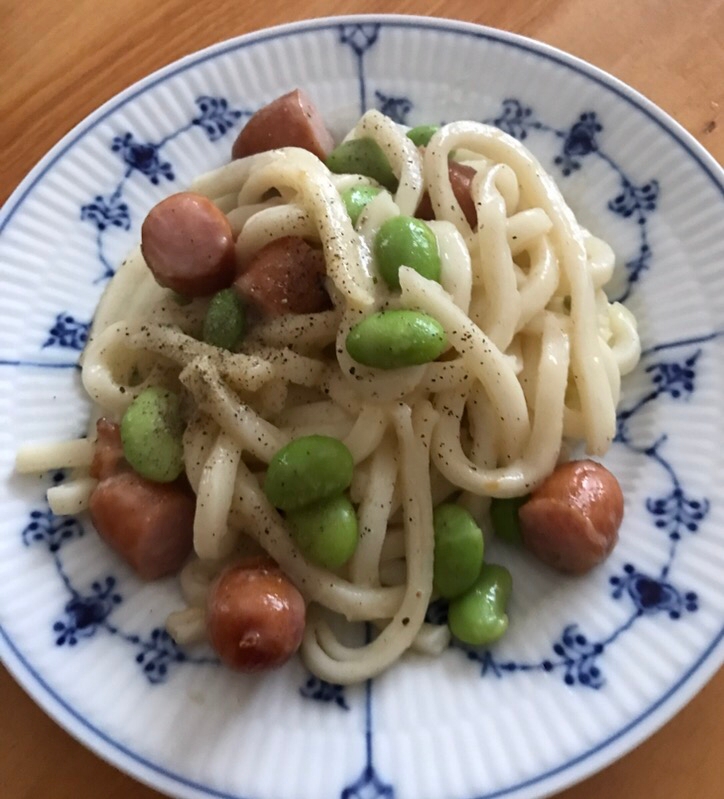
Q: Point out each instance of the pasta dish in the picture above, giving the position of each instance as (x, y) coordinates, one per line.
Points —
(327, 372)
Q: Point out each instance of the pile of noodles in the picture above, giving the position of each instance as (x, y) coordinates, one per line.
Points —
(536, 357)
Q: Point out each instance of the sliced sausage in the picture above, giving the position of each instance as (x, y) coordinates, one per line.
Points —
(188, 244)
(108, 454)
(150, 525)
(289, 121)
(286, 276)
(571, 520)
(254, 616)
(461, 178)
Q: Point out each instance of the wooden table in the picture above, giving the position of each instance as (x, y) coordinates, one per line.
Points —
(60, 59)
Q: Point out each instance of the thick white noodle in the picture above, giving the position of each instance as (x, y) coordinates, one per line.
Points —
(456, 274)
(214, 538)
(251, 433)
(538, 190)
(373, 513)
(47, 456)
(187, 626)
(72, 497)
(328, 657)
(402, 154)
(484, 360)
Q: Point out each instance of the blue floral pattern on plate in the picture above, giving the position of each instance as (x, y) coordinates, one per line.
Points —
(67, 332)
(88, 612)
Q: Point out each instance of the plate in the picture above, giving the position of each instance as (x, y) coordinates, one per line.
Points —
(590, 666)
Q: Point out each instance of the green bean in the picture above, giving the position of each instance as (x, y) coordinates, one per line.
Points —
(406, 241)
(504, 518)
(326, 532)
(362, 157)
(225, 320)
(393, 339)
(478, 617)
(356, 199)
(151, 431)
(458, 550)
(307, 470)
(422, 134)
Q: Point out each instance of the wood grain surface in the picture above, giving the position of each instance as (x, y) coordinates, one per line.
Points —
(60, 59)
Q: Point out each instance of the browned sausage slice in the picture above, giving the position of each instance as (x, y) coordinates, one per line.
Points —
(289, 121)
(150, 525)
(461, 178)
(254, 616)
(108, 454)
(286, 276)
(188, 244)
(571, 520)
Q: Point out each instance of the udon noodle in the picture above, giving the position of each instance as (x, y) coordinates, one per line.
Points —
(535, 360)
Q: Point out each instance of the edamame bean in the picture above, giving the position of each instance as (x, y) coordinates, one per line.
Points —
(362, 157)
(151, 431)
(458, 550)
(225, 320)
(478, 617)
(504, 518)
(393, 339)
(307, 470)
(326, 532)
(422, 134)
(356, 199)
(406, 241)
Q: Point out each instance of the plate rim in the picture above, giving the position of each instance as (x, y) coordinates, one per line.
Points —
(441, 24)
(566, 774)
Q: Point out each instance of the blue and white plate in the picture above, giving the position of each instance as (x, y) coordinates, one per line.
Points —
(591, 666)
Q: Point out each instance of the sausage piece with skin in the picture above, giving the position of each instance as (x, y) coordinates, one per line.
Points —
(571, 520)
(150, 525)
(254, 616)
(289, 121)
(108, 452)
(188, 244)
(461, 178)
(285, 276)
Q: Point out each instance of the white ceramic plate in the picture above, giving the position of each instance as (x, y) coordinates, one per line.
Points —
(591, 666)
